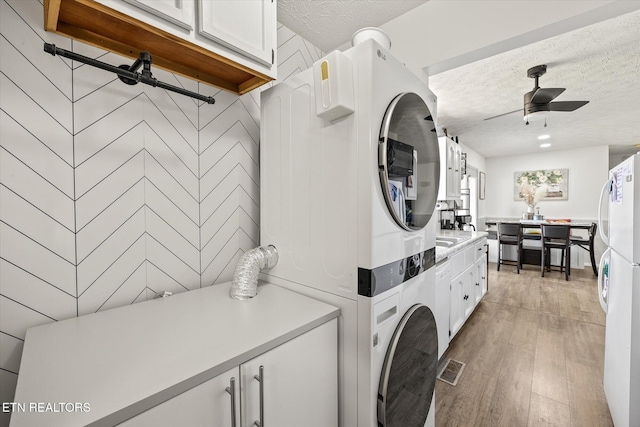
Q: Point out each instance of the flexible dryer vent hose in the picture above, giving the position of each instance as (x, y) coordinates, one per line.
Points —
(245, 278)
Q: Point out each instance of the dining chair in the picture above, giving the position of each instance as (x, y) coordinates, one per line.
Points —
(555, 236)
(510, 234)
(587, 245)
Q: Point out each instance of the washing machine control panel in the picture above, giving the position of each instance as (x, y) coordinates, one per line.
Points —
(375, 281)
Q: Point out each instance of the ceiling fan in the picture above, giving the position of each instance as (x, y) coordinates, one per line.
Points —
(537, 103)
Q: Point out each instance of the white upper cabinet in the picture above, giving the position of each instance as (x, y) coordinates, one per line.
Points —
(179, 12)
(245, 26)
(450, 169)
(230, 44)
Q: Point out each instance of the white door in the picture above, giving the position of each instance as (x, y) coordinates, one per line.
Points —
(299, 382)
(469, 291)
(456, 312)
(481, 278)
(622, 356)
(245, 26)
(443, 305)
(176, 12)
(208, 404)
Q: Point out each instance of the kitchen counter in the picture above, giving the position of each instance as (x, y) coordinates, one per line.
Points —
(123, 361)
(470, 237)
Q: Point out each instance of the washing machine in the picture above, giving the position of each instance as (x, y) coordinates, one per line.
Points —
(348, 200)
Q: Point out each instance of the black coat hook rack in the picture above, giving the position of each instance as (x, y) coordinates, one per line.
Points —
(128, 74)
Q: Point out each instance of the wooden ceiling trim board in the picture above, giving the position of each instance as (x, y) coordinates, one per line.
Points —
(51, 12)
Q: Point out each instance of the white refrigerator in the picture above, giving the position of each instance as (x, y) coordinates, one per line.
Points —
(619, 291)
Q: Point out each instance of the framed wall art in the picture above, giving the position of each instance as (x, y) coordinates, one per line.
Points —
(546, 184)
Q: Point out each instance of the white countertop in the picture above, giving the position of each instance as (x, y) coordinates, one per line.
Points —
(126, 360)
(471, 237)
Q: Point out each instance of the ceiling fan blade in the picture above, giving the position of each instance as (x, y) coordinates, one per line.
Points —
(546, 95)
(519, 110)
(566, 105)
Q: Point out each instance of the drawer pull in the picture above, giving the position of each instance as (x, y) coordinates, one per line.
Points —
(260, 379)
(232, 391)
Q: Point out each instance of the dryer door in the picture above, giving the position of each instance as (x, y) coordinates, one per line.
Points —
(409, 161)
(409, 372)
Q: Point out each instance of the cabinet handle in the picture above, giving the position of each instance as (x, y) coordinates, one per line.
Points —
(232, 391)
(260, 379)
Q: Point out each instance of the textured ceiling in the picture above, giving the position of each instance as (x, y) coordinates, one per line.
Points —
(599, 63)
(330, 23)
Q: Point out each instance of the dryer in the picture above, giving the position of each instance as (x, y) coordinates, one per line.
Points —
(349, 204)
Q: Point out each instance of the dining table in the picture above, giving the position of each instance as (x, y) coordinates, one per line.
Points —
(531, 231)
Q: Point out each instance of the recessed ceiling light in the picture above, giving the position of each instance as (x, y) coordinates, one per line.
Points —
(544, 137)
(545, 145)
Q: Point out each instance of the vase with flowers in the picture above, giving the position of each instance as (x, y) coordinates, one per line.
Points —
(531, 194)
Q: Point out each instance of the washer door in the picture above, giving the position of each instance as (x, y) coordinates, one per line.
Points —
(409, 372)
(409, 161)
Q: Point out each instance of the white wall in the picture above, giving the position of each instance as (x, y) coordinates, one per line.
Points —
(588, 169)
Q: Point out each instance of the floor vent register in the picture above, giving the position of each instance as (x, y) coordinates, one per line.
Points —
(451, 371)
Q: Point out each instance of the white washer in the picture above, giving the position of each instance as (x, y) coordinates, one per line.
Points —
(349, 206)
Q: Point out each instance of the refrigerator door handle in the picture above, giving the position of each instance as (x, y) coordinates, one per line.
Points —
(606, 189)
(602, 276)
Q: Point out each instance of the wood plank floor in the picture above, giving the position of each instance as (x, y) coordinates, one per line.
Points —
(534, 354)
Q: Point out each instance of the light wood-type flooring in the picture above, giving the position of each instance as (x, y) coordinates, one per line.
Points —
(534, 354)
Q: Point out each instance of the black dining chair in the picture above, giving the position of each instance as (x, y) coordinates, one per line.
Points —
(587, 245)
(554, 236)
(510, 234)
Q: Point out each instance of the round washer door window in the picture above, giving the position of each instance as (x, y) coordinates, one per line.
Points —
(408, 376)
(409, 161)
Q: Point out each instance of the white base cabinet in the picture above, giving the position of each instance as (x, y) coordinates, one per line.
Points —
(294, 384)
(469, 284)
(208, 404)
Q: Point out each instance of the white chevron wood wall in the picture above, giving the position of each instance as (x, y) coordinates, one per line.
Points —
(111, 193)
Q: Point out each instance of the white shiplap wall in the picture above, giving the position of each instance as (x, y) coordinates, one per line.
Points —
(110, 193)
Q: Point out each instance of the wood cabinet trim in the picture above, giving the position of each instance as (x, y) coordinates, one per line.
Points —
(96, 24)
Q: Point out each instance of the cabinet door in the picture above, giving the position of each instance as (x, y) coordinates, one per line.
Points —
(246, 26)
(177, 12)
(458, 171)
(456, 311)
(481, 271)
(469, 291)
(443, 305)
(208, 404)
(299, 382)
(451, 169)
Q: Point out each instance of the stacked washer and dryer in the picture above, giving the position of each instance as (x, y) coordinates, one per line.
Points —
(347, 198)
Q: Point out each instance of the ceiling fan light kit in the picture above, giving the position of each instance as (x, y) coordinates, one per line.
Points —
(535, 116)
